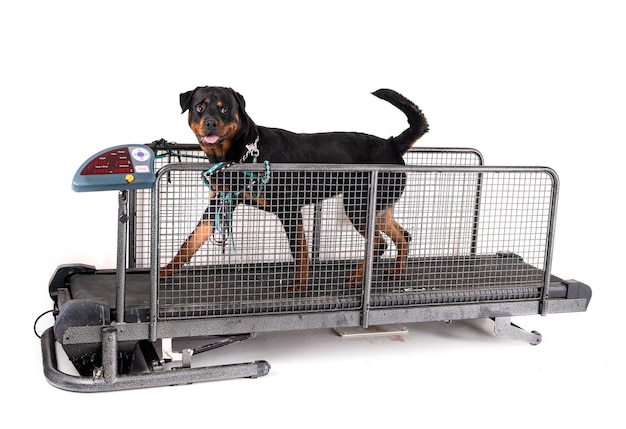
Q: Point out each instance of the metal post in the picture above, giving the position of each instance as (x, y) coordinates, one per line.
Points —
(122, 241)
(474, 243)
(369, 247)
(109, 353)
(554, 198)
(132, 229)
(154, 258)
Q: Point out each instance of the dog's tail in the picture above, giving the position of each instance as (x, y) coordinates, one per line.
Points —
(418, 125)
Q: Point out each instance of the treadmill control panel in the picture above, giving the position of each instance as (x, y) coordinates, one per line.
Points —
(116, 168)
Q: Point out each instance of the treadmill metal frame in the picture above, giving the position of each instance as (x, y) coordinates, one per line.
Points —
(113, 339)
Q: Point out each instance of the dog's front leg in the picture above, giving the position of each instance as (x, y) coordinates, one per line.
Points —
(195, 241)
(294, 227)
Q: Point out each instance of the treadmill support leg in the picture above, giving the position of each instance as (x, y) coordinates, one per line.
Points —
(109, 353)
(503, 327)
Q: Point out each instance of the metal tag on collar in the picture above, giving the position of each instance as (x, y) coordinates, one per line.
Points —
(253, 150)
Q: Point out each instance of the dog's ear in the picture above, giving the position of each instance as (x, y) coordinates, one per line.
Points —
(185, 100)
(246, 124)
(240, 100)
(245, 120)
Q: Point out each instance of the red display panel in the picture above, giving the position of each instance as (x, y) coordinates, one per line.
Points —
(114, 162)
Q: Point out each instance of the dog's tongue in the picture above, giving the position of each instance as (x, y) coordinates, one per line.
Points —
(210, 139)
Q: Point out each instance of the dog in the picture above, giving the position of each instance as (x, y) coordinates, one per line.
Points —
(226, 133)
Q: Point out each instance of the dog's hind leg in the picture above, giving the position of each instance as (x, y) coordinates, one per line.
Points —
(356, 210)
(400, 237)
(294, 227)
(356, 276)
(385, 223)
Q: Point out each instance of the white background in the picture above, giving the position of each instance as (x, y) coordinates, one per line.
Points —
(526, 83)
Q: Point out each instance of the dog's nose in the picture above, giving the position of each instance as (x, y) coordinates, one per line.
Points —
(210, 124)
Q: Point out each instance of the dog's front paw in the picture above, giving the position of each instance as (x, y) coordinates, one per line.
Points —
(169, 270)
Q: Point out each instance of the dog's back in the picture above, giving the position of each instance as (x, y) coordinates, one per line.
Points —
(278, 145)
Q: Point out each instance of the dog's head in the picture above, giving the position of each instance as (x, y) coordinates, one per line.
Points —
(218, 118)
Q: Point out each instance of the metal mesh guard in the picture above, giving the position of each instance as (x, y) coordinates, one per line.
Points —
(476, 234)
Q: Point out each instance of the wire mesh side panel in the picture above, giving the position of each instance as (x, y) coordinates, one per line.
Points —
(476, 236)
(260, 253)
(435, 235)
(140, 201)
(443, 156)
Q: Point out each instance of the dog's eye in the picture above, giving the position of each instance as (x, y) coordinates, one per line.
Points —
(224, 110)
(200, 108)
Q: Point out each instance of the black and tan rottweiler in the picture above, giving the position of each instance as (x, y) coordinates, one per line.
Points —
(226, 133)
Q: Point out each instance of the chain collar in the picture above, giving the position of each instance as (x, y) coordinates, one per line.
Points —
(252, 149)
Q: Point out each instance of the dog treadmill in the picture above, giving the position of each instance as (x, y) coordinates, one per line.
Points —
(481, 247)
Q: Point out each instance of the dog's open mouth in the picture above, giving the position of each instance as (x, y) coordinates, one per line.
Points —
(210, 140)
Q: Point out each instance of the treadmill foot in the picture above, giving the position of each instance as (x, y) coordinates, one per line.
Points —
(503, 327)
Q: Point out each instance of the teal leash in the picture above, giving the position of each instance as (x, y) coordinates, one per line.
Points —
(227, 200)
